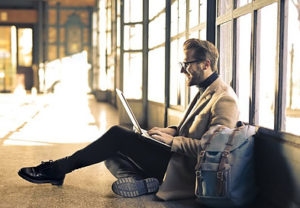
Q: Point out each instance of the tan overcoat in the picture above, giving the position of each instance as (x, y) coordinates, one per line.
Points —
(217, 105)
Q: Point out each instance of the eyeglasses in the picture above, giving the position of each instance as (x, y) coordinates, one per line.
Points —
(184, 65)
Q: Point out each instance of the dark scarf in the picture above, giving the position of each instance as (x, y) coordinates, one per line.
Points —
(203, 85)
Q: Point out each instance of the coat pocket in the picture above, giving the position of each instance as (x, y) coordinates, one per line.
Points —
(199, 126)
(207, 181)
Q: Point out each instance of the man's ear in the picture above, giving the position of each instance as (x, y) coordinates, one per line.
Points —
(207, 64)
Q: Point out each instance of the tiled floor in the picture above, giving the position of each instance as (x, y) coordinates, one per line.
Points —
(33, 129)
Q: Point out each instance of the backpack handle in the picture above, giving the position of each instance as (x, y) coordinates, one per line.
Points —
(224, 157)
(202, 152)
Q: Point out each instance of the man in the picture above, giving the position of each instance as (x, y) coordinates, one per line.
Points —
(141, 166)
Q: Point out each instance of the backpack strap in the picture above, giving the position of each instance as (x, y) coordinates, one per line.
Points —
(202, 152)
(224, 158)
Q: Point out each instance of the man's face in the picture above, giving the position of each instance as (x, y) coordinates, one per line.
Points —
(193, 71)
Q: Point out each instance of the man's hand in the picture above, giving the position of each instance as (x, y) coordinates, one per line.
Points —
(161, 136)
(170, 131)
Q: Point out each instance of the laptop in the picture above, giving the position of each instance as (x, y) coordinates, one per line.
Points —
(135, 123)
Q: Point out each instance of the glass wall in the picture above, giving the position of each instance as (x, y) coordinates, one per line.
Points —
(197, 27)
(178, 36)
(8, 59)
(250, 55)
(266, 64)
(225, 51)
(133, 31)
(243, 44)
(292, 109)
(156, 60)
(236, 40)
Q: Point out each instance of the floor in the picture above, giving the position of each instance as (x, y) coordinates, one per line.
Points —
(44, 127)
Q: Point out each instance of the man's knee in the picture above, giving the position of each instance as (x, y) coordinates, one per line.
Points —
(117, 128)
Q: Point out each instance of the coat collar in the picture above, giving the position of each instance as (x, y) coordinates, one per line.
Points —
(200, 100)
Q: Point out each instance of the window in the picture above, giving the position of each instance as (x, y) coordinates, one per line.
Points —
(177, 80)
(133, 75)
(133, 45)
(241, 3)
(156, 75)
(293, 70)
(226, 52)
(133, 37)
(224, 6)
(243, 64)
(266, 68)
(156, 61)
(25, 46)
(133, 10)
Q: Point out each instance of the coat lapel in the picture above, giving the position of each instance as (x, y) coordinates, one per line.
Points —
(199, 104)
(190, 107)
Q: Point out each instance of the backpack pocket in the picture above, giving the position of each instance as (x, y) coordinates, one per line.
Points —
(210, 183)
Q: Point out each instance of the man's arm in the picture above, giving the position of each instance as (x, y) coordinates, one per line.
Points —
(224, 112)
(169, 130)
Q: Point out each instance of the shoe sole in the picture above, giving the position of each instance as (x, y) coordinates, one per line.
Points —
(53, 182)
(129, 187)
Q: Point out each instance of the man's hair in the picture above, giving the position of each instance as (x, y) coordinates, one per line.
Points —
(203, 50)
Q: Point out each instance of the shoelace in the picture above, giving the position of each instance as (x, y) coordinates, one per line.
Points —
(44, 164)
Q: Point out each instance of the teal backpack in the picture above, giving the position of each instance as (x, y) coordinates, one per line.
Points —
(225, 167)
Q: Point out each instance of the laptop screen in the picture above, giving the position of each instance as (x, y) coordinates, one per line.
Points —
(129, 111)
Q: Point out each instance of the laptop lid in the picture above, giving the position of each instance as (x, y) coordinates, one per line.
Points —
(129, 111)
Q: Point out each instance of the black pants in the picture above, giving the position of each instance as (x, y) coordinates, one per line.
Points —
(126, 154)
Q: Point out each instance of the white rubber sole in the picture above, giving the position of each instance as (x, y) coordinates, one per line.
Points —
(130, 187)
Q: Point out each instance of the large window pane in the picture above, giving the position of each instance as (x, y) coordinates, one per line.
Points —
(25, 47)
(133, 37)
(242, 2)
(197, 12)
(226, 52)
(156, 75)
(178, 17)
(174, 18)
(243, 64)
(155, 7)
(133, 10)
(293, 71)
(266, 68)
(177, 80)
(203, 9)
(224, 6)
(133, 75)
(194, 12)
(157, 31)
(111, 78)
(102, 42)
(182, 15)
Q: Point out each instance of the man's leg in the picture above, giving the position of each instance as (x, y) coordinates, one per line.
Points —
(152, 158)
(121, 166)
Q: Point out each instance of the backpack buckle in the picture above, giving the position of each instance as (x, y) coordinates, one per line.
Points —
(202, 153)
(198, 173)
(225, 153)
(220, 175)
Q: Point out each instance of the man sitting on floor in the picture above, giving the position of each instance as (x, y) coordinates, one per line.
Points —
(140, 166)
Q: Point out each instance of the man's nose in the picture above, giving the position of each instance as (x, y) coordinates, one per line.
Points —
(183, 70)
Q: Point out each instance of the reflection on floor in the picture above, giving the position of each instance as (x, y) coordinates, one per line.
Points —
(46, 127)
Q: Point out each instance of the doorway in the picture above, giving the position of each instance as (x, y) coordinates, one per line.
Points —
(16, 52)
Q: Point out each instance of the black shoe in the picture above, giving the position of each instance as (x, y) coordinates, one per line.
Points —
(43, 173)
(130, 187)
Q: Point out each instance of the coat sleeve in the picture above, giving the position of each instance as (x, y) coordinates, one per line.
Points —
(223, 112)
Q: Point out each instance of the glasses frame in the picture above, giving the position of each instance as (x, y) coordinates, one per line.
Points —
(184, 65)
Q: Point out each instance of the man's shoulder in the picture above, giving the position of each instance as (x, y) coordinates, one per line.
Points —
(223, 88)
